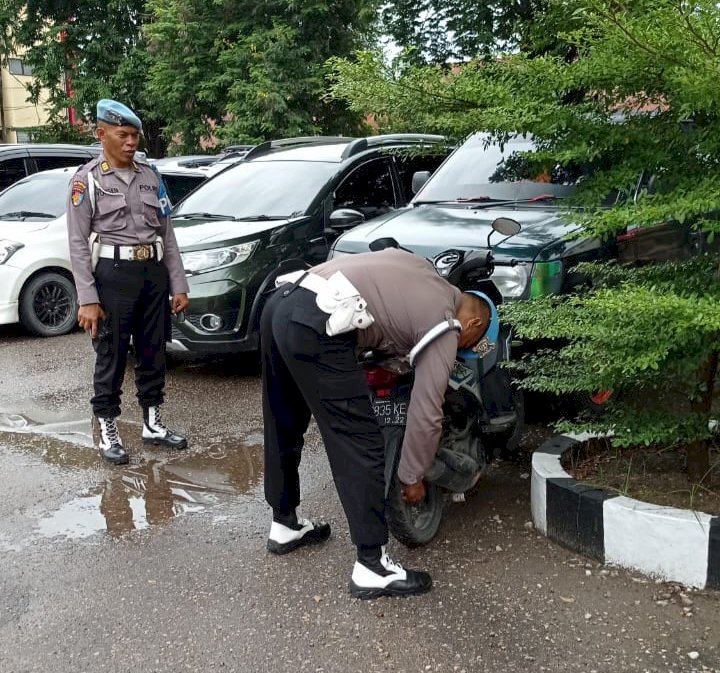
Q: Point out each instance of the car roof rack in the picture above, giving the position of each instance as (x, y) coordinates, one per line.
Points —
(391, 139)
(238, 148)
(197, 162)
(287, 143)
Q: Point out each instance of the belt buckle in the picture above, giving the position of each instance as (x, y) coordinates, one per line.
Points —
(141, 253)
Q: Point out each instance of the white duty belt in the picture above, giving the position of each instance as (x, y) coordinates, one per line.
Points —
(337, 297)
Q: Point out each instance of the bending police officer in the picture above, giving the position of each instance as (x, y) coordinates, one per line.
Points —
(311, 329)
(126, 263)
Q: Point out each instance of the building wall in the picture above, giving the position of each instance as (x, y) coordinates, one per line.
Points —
(17, 110)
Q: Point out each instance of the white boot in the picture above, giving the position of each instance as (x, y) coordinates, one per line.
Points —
(110, 445)
(155, 432)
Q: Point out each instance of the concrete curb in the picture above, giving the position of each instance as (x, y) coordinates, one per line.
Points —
(671, 544)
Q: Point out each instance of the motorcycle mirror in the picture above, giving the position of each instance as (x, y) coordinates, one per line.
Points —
(382, 243)
(506, 226)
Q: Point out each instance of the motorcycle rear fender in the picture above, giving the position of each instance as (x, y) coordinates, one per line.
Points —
(393, 436)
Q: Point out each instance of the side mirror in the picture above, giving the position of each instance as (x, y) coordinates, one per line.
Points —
(419, 178)
(345, 218)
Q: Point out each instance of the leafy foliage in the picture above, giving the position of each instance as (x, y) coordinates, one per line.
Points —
(58, 131)
(244, 71)
(81, 52)
(634, 101)
(238, 71)
(456, 30)
(641, 333)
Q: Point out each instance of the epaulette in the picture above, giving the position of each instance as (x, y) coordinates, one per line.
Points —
(87, 167)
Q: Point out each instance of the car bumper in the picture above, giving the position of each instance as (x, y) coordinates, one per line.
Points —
(9, 313)
(10, 278)
(184, 346)
(224, 300)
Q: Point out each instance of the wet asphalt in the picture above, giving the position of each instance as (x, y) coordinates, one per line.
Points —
(161, 565)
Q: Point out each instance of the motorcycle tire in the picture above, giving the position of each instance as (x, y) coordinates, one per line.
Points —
(414, 525)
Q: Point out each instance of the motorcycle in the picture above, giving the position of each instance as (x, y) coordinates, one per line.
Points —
(483, 411)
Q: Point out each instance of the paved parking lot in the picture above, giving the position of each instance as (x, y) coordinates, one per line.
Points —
(161, 565)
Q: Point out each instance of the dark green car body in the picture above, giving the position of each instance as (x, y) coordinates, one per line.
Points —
(457, 205)
(278, 210)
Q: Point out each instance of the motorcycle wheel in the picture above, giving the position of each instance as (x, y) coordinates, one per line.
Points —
(414, 525)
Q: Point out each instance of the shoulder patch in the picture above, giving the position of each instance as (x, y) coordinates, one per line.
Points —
(78, 192)
(163, 197)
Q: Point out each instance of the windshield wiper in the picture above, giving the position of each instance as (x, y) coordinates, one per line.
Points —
(26, 213)
(260, 218)
(488, 200)
(534, 199)
(461, 199)
(205, 216)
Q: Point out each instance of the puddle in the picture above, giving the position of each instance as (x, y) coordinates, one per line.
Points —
(154, 488)
(153, 493)
(76, 431)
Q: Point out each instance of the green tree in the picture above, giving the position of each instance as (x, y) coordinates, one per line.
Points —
(437, 31)
(654, 63)
(247, 71)
(83, 51)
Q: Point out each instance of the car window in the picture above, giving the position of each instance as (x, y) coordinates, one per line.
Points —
(179, 186)
(254, 188)
(408, 165)
(45, 163)
(38, 194)
(479, 170)
(368, 189)
(11, 170)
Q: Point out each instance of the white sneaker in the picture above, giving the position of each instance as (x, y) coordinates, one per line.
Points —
(387, 579)
(283, 539)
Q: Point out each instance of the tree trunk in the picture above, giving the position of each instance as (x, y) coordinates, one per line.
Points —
(155, 144)
(698, 452)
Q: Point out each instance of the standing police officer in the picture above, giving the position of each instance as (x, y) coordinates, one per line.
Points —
(126, 263)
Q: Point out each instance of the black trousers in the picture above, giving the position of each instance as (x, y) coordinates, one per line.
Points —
(134, 295)
(305, 371)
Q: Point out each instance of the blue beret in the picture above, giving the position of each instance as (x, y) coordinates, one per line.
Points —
(117, 114)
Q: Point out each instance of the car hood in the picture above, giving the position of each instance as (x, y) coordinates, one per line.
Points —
(199, 234)
(429, 229)
(17, 230)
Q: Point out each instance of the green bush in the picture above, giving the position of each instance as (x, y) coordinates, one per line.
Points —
(649, 334)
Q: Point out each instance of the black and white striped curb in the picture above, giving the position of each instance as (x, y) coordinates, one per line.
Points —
(671, 544)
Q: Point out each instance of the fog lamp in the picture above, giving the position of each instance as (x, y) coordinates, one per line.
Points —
(211, 322)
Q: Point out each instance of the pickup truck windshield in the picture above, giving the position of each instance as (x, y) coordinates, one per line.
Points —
(482, 171)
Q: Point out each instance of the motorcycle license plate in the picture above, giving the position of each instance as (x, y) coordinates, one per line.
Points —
(390, 412)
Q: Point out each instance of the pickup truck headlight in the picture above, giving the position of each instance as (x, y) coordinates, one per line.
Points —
(8, 249)
(512, 281)
(217, 258)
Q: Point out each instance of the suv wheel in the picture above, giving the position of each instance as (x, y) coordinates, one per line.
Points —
(48, 305)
